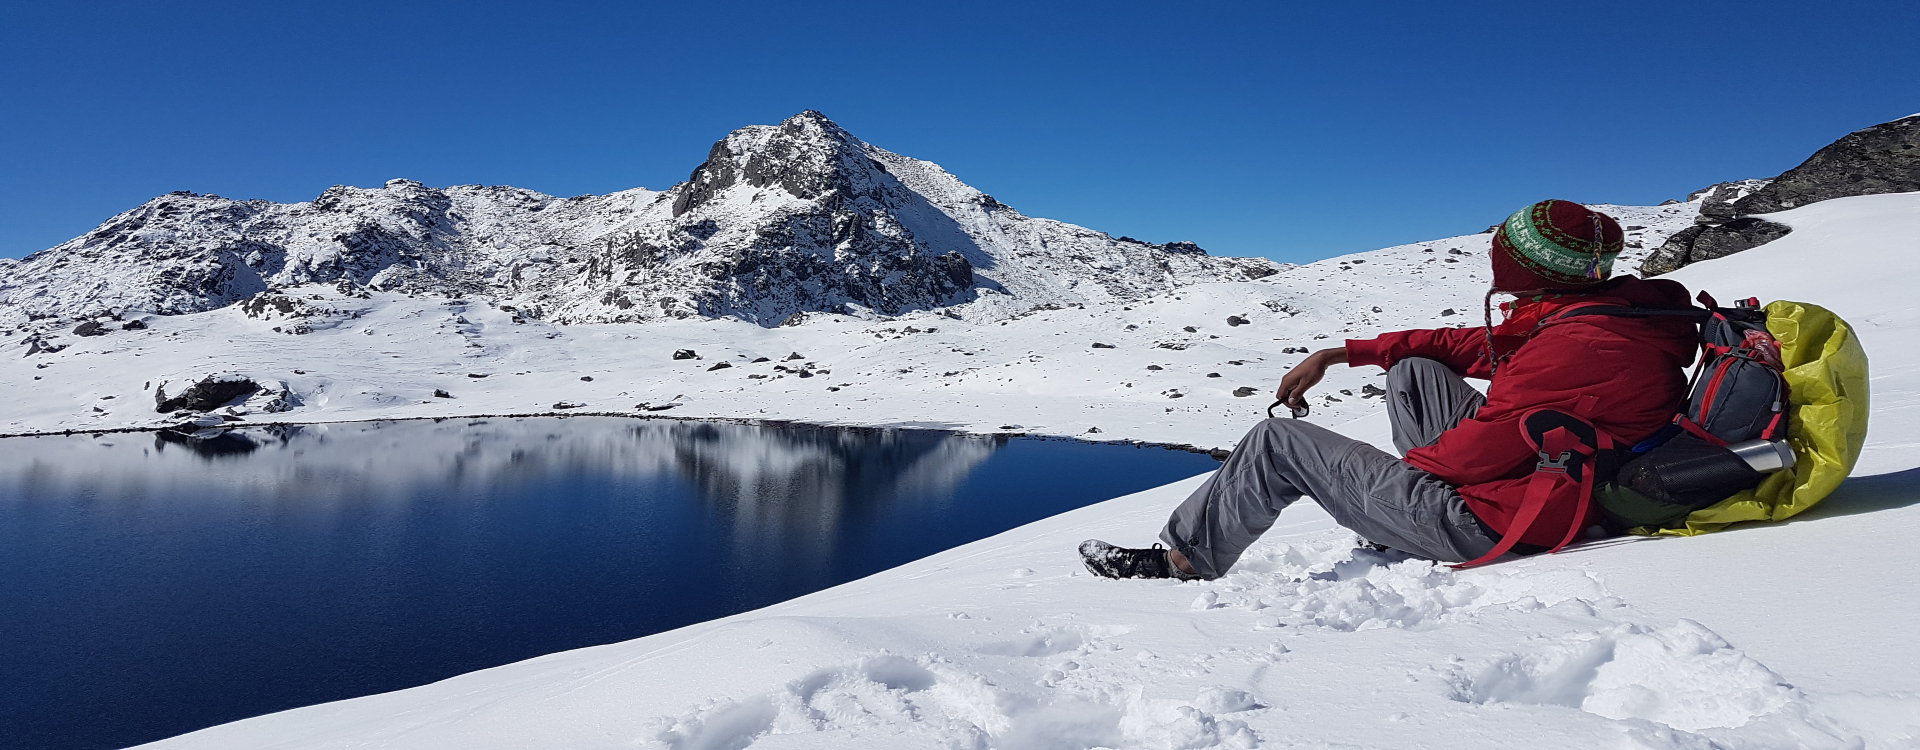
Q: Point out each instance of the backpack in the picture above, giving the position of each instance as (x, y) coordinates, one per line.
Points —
(1729, 436)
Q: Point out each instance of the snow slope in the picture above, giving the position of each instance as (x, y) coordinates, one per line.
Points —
(1778, 636)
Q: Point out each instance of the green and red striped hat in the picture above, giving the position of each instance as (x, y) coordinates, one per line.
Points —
(1554, 244)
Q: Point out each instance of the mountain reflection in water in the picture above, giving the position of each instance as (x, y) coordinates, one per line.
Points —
(157, 584)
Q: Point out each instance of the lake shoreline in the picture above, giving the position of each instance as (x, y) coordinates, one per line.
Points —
(1217, 453)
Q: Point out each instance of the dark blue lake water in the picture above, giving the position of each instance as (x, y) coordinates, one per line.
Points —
(150, 587)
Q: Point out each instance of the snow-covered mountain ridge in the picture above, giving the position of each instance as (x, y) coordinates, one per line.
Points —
(796, 218)
(1189, 365)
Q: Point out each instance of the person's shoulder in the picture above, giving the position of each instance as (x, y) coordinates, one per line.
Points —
(1639, 292)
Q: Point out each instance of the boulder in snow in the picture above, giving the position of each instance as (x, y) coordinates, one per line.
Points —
(212, 392)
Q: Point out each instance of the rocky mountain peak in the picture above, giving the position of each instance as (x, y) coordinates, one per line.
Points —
(807, 155)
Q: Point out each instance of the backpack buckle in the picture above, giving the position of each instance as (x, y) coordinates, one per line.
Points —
(1555, 465)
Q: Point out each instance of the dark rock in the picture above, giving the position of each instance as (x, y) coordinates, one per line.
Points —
(1245, 391)
(1884, 158)
(471, 374)
(794, 356)
(212, 392)
(586, 378)
(1708, 241)
(720, 366)
(758, 360)
(717, 173)
(134, 325)
(1716, 200)
(1450, 311)
(685, 354)
(1370, 390)
(90, 328)
(566, 405)
(1220, 454)
(1155, 367)
(1213, 374)
(1190, 329)
(1235, 320)
(438, 393)
(805, 374)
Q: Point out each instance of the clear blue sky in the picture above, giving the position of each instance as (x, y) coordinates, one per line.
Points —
(1294, 131)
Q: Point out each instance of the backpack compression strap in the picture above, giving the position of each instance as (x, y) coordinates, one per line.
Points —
(1567, 446)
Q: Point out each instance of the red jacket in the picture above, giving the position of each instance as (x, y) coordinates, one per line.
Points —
(1625, 375)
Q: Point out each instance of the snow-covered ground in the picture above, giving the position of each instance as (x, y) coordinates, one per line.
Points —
(1772, 636)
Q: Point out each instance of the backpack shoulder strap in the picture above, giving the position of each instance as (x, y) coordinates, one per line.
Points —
(1567, 446)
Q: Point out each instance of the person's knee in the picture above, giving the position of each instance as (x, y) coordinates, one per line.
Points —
(1275, 430)
(1413, 368)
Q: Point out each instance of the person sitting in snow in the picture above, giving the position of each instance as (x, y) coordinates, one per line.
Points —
(1467, 462)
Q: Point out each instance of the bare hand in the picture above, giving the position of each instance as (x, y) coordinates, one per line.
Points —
(1307, 374)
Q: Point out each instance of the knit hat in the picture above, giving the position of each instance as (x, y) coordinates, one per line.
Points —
(1554, 244)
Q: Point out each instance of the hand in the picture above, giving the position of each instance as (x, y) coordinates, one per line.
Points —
(1307, 374)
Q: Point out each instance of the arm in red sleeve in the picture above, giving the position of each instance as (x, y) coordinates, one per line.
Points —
(1462, 350)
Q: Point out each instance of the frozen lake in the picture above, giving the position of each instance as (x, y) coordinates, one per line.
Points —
(154, 586)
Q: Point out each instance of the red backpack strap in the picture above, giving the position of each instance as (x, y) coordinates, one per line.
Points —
(1567, 446)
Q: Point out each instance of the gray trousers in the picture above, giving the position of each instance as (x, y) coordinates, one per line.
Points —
(1384, 499)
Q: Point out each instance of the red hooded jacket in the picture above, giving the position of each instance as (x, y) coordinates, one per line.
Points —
(1627, 376)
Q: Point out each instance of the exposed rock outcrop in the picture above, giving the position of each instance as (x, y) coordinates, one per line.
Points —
(1884, 158)
(1708, 241)
(212, 392)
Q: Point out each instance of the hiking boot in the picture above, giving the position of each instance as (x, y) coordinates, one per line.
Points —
(1108, 561)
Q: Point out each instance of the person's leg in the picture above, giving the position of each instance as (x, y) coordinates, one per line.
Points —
(1375, 494)
(1424, 399)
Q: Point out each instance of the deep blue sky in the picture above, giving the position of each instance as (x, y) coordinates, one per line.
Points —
(1293, 131)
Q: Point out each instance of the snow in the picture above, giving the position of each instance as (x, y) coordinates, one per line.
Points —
(1769, 636)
